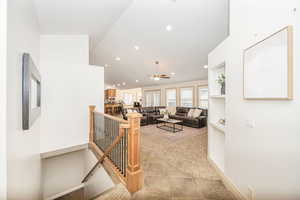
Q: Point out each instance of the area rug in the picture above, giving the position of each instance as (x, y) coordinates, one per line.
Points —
(187, 132)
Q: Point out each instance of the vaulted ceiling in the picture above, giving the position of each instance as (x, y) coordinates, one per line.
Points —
(119, 27)
(92, 17)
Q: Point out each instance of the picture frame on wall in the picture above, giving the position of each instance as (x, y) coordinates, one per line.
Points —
(31, 92)
(268, 67)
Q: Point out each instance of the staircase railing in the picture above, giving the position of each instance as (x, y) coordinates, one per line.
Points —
(117, 142)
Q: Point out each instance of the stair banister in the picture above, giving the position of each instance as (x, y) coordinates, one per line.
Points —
(134, 171)
(92, 109)
(128, 133)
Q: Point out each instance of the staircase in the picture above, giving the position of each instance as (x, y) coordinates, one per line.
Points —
(116, 144)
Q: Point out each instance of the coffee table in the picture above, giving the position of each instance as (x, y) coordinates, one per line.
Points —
(171, 125)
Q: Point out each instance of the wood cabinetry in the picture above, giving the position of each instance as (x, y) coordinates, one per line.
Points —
(110, 93)
(112, 108)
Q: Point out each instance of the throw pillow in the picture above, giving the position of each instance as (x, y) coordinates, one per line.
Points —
(197, 113)
(162, 111)
(191, 113)
(172, 110)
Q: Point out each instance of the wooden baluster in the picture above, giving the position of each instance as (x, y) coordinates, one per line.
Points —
(134, 173)
(92, 109)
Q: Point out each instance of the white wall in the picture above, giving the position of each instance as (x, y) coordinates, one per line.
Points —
(265, 157)
(3, 49)
(107, 86)
(69, 86)
(23, 169)
(163, 88)
(100, 181)
(63, 172)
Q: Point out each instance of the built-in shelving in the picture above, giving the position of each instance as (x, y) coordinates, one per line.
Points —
(219, 66)
(217, 104)
(216, 107)
(218, 96)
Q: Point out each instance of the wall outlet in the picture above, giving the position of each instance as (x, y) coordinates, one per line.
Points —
(251, 195)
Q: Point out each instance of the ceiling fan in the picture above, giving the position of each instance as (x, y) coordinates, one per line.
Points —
(157, 76)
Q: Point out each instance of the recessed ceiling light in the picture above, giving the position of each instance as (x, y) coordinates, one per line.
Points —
(118, 58)
(118, 84)
(173, 73)
(123, 83)
(169, 28)
(137, 81)
(205, 66)
(136, 47)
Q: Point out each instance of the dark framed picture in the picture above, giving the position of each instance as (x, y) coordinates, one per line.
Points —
(31, 92)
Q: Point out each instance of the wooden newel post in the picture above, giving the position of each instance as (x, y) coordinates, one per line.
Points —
(134, 175)
(91, 116)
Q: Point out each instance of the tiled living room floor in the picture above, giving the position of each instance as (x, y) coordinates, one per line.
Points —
(175, 167)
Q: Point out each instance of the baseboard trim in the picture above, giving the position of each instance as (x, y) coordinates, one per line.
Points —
(227, 182)
(65, 192)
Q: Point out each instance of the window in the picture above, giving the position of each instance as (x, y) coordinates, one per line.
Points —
(128, 98)
(171, 97)
(186, 97)
(152, 98)
(156, 99)
(203, 97)
(148, 99)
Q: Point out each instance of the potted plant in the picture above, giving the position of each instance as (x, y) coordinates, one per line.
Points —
(221, 81)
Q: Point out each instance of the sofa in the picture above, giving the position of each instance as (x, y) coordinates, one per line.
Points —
(195, 122)
(156, 114)
(150, 114)
(144, 119)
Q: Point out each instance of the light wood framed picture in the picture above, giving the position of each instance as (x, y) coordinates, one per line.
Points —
(268, 67)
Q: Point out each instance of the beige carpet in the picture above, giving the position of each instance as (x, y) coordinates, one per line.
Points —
(175, 168)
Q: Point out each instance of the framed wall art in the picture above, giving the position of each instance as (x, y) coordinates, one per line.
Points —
(268, 67)
(31, 92)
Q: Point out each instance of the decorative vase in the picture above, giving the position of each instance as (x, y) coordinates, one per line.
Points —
(223, 88)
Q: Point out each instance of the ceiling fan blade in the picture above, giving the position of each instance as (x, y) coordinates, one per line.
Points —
(164, 76)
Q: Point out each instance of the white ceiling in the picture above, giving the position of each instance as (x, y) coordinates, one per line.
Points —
(116, 26)
(91, 17)
(198, 27)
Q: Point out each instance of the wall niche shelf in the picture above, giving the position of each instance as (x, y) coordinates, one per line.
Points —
(218, 126)
(218, 96)
(219, 66)
(216, 111)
